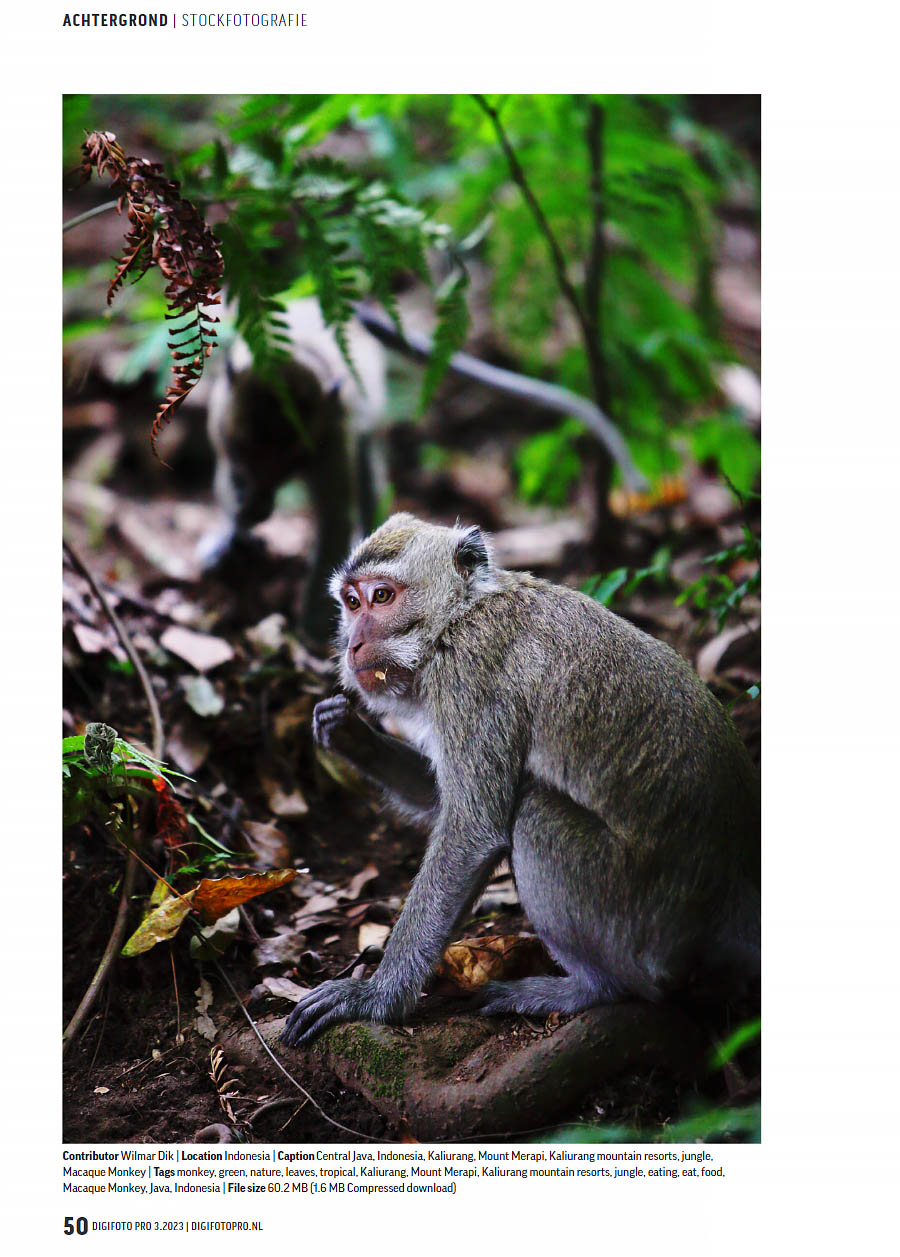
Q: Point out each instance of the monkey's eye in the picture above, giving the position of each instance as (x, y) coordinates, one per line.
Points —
(351, 600)
(382, 594)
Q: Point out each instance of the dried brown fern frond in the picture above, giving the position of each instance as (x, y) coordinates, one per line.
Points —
(225, 1086)
(165, 230)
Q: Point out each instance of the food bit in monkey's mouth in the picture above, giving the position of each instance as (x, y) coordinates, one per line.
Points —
(381, 676)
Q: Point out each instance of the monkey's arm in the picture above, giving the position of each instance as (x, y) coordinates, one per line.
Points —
(384, 760)
(469, 837)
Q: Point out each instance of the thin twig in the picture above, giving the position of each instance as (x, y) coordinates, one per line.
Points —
(113, 948)
(117, 937)
(177, 1000)
(357, 1134)
(287, 1102)
(127, 645)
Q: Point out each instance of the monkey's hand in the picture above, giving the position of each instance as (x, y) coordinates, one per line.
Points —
(332, 715)
(389, 763)
(342, 999)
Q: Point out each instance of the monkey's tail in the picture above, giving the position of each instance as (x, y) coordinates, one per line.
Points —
(538, 392)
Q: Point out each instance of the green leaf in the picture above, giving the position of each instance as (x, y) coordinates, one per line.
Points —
(607, 586)
(450, 332)
(549, 464)
(725, 440)
(738, 1039)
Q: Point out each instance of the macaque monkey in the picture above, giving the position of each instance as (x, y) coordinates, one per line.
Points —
(258, 448)
(543, 728)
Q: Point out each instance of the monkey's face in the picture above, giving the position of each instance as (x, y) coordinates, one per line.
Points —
(376, 655)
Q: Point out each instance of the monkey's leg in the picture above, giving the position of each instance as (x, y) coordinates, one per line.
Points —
(245, 502)
(565, 862)
(468, 838)
(415, 946)
(330, 479)
(402, 772)
(538, 997)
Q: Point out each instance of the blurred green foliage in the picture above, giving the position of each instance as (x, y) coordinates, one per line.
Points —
(719, 594)
(621, 582)
(705, 1125)
(345, 193)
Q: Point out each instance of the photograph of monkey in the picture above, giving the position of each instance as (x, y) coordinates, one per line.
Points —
(411, 618)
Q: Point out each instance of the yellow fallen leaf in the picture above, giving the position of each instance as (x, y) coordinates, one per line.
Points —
(161, 922)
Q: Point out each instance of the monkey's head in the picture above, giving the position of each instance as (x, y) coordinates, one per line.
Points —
(398, 592)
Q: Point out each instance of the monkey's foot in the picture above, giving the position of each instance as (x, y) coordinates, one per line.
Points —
(544, 995)
(219, 552)
(342, 999)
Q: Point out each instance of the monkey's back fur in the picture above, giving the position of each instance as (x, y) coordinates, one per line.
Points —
(650, 800)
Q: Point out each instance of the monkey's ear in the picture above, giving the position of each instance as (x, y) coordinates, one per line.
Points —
(472, 553)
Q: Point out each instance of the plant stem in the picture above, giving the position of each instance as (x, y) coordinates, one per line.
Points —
(113, 947)
(116, 938)
(127, 645)
(519, 178)
(585, 305)
(594, 272)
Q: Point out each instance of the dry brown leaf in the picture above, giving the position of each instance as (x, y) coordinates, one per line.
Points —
(309, 921)
(270, 846)
(473, 961)
(372, 935)
(320, 903)
(91, 640)
(356, 913)
(284, 988)
(711, 502)
(203, 1023)
(723, 647)
(501, 893)
(187, 748)
(288, 805)
(354, 887)
(283, 795)
(268, 636)
(215, 897)
(292, 722)
(201, 650)
(279, 949)
(202, 696)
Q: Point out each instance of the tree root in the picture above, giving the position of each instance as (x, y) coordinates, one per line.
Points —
(447, 1082)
